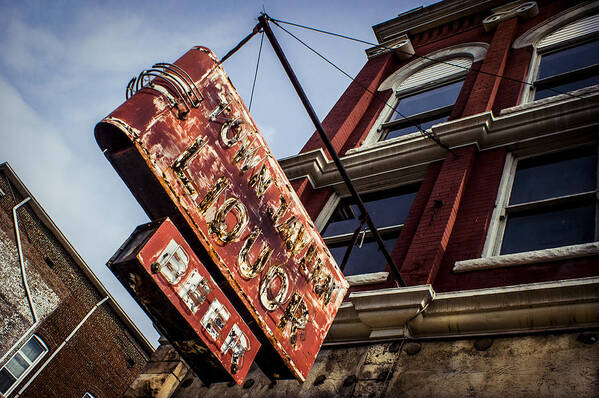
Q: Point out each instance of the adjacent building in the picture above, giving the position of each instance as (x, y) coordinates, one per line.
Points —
(472, 133)
(62, 334)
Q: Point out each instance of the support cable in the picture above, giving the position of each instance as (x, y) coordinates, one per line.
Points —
(427, 134)
(274, 20)
(256, 72)
(241, 43)
(263, 19)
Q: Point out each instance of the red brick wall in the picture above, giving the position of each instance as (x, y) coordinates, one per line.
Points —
(436, 224)
(467, 186)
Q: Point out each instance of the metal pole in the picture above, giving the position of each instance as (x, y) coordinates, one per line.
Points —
(263, 19)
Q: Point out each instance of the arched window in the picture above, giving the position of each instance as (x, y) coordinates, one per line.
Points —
(21, 363)
(566, 53)
(425, 91)
(568, 58)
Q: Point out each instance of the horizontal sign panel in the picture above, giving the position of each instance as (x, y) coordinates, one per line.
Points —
(169, 281)
(192, 152)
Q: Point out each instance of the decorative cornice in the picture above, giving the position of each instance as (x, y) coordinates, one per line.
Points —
(559, 120)
(426, 18)
(418, 311)
(537, 256)
(400, 46)
(520, 9)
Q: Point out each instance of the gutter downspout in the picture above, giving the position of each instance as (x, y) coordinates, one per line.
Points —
(23, 277)
(61, 346)
(21, 261)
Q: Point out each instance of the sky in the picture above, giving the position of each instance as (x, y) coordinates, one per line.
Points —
(64, 65)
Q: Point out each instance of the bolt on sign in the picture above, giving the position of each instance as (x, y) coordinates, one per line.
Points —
(188, 149)
(159, 268)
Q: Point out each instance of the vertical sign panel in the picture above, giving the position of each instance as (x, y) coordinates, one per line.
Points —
(204, 164)
(159, 268)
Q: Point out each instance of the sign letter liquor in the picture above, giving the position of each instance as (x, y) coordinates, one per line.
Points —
(188, 149)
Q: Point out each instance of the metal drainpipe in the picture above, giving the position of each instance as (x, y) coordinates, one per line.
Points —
(23, 277)
(21, 261)
(61, 346)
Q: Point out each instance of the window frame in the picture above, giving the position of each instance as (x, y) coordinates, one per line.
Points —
(534, 84)
(502, 210)
(327, 212)
(31, 364)
(386, 125)
(474, 51)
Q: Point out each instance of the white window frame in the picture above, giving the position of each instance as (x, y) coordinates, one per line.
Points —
(499, 218)
(536, 35)
(472, 51)
(31, 364)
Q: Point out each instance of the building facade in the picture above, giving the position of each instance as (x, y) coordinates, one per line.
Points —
(472, 134)
(62, 334)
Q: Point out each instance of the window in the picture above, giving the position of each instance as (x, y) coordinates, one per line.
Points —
(425, 98)
(552, 202)
(21, 363)
(88, 395)
(388, 210)
(568, 58)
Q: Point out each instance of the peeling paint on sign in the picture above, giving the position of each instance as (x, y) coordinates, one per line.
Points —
(213, 173)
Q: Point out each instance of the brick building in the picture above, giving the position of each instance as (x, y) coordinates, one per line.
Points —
(497, 237)
(64, 335)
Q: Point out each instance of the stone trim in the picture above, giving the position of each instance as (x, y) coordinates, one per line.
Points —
(404, 160)
(532, 257)
(367, 279)
(418, 311)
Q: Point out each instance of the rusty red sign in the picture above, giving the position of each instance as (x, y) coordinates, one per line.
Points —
(159, 268)
(188, 149)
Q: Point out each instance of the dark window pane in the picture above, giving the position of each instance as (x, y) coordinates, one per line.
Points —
(555, 175)
(391, 211)
(344, 219)
(385, 208)
(412, 129)
(6, 380)
(549, 229)
(32, 349)
(428, 100)
(569, 59)
(566, 87)
(363, 260)
(17, 365)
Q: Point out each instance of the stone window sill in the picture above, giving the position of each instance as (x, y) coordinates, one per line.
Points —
(367, 279)
(537, 256)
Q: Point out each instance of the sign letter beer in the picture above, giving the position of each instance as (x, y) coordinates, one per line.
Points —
(211, 172)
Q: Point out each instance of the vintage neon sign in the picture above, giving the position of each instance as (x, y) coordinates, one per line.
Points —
(207, 167)
(159, 268)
